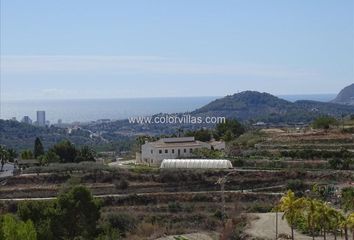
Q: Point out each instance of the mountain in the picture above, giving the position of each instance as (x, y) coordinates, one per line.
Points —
(345, 96)
(256, 106)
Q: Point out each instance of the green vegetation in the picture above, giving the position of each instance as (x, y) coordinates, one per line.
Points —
(20, 136)
(6, 155)
(63, 152)
(66, 151)
(324, 122)
(38, 148)
(85, 154)
(255, 106)
(347, 200)
(27, 154)
(74, 215)
(229, 130)
(203, 135)
(290, 206)
(313, 216)
(247, 140)
(13, 229)
(208, 153)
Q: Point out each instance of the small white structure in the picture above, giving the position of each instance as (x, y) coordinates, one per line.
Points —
(217, 145)
(196, 164)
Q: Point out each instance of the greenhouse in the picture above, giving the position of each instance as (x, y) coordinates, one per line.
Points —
(196, 163)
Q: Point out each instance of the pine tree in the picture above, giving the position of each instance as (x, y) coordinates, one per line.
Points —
(38, 148)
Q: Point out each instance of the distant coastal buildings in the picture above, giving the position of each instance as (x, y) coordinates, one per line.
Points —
(40, 121)
(41, 118)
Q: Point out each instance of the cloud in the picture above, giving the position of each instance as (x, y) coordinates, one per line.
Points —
(54, 64)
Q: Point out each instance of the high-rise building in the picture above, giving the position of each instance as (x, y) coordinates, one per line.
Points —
(26, 119)
(41, 118)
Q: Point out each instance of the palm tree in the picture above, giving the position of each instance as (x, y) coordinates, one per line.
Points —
(336, 221)
(311, 206)
(328, 218)
(350, 223)
(291, 208)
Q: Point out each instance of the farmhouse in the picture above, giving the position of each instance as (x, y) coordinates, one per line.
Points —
(170, 148)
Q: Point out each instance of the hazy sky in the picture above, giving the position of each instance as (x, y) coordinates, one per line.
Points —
(149, 48)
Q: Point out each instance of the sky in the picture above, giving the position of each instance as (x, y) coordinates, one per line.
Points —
(69, 49)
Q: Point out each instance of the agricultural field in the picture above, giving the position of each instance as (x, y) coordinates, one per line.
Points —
(142, 202)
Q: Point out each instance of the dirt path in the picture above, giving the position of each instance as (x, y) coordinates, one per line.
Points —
(263, 226)
(248, 192)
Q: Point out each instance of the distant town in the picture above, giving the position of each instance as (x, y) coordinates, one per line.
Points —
(41, 121)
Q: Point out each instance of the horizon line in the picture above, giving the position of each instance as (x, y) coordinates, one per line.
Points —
(157, 97)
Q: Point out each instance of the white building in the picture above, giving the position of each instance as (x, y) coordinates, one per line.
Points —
(170, 148)
(41, 118)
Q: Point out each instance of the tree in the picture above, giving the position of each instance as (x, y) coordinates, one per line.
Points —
(4, 155)
(49, 157)
(42, 214)
(13, 229)
(336, 222)
(347, 199)
(326, 217)
(230, 129)
(26, 154)
(291, 207)
(348, 224)
(207, 153)
(77, 213)
(12, 154)
(203, 135)
(311, 207)
(86, 154)
(38, 148)
(73, 215)
(66, 151)
(324, 122)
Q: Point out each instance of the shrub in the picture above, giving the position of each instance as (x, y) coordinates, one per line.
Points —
(123, 222)
(324, 122)
(296, 185)
(174, 207)
(122, 184)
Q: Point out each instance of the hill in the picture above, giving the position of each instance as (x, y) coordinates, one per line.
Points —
(21, 136)
(256, 106)
(345, 96)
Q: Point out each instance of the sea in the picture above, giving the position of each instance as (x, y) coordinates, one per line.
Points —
(86, 110)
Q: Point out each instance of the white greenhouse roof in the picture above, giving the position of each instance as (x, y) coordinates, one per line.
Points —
(196, 163)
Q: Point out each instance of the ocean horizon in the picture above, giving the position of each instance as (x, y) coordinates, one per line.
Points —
(86, 110)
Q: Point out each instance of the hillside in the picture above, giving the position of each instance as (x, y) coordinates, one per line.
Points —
(256, 106)
(345, 96)
(21, 136)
